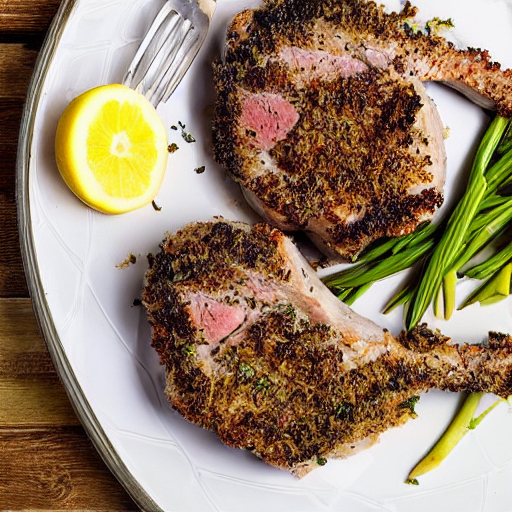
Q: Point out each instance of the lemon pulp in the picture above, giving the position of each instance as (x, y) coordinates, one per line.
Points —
(111, 149)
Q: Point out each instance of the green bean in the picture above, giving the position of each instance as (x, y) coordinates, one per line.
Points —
(501, 286)
(343, 293)
(381, 269)
(457, 429)
(506, 141)
(449, 282)
(341, 279)
(492, 264)
(492, 201)
(437, 303)
(498, 174)
(483, 221)
(426, 230)
(492, 229)
(376, 250)
(356, 293)
(495, 289)
(453, 237)
(399, 298)
(393, 245)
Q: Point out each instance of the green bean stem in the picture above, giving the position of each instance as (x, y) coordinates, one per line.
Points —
(476, 421)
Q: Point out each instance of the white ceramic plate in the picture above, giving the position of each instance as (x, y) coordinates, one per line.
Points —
(100, 341)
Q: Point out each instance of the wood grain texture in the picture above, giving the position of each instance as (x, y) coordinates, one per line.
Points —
(12, 277)
(26, 15)
(46, 460)
(30, 391)
(55, 469)
(16, 66)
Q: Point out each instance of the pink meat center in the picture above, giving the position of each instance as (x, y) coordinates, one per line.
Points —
(216, 319)
(319, 63)
(269, 116)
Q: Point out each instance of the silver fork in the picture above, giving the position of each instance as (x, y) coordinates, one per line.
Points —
(169, 48)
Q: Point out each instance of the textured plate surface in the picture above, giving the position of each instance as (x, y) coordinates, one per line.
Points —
(100, 341)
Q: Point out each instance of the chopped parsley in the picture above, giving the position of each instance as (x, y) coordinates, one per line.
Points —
(345, 411)
(410, 403)
(262, 384)
(187, 137)
(245, 371)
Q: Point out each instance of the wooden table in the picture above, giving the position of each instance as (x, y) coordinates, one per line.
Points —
(46, 460)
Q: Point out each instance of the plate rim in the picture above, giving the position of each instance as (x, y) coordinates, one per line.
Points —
(34, 279)
(76, 395)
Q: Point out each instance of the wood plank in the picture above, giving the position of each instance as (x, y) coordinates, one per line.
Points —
(52, 466)
(56, 469)
(11, 110)
(12, 276)
(29, 402)
(16, 67)
(20, 335)
(31, 393)
(27, 15)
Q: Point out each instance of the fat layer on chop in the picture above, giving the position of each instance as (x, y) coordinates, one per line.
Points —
(322, 118)
(259, 351)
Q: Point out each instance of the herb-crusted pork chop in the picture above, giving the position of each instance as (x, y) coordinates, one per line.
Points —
(322, 118)
(259, 351)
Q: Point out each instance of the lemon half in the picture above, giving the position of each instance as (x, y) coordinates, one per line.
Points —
(111, 149)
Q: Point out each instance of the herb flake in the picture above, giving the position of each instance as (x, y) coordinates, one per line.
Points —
(172, 148)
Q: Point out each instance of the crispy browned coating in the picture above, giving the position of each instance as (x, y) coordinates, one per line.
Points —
(351, 149)
(282, 388)
(364, 24)
(345, 171)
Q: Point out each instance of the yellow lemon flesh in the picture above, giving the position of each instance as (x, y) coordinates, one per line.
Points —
(111, 149)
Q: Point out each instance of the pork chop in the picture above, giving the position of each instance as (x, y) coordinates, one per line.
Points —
(259, 351)
(322, 118)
